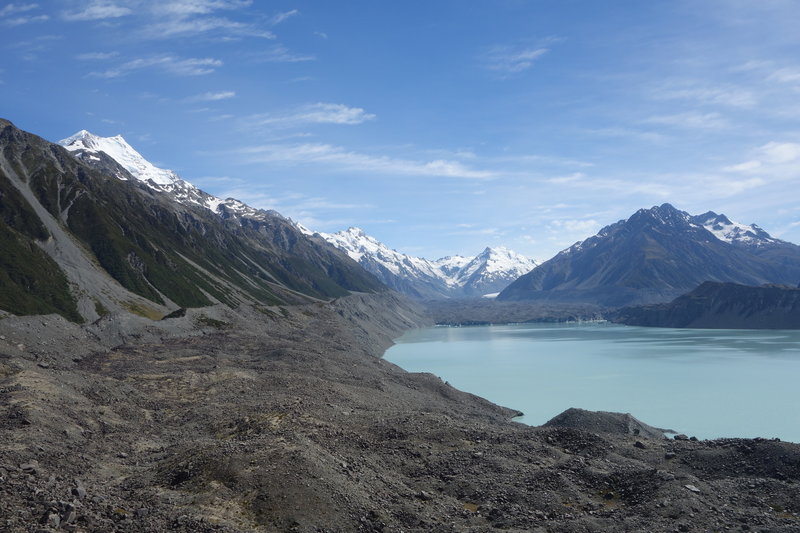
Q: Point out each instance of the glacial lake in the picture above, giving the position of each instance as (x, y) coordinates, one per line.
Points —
(704, 383)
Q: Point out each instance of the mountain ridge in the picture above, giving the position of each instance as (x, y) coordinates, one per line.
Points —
(82, 242)
(448, 277)
(656, 255)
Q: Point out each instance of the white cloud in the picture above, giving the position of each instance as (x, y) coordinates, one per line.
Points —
(715, 95)
(281, 54)
(780, 153)
(786, 75)
(11, 9)
(212, 97)
(19, 21)
(690, 119)
(282, 17)
(183, 27)
(319, 113)
(99, 11)
(773, 159)
(747, 166)
(572, 178)
(171, 64)
(197, 7)
(478, 231)
(96, 56)
(576, 226)
(182, 18)
(512, 60)
(354, 161)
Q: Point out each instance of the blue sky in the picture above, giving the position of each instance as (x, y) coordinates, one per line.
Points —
(439, 127)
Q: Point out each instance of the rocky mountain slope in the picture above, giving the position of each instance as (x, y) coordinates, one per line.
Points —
(656, 255)
(721, 305)
(449, 277)
(84, 241)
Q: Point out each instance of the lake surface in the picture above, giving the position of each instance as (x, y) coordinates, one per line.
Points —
(706, 383)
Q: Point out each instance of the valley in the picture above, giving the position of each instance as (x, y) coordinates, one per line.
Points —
(172, 361)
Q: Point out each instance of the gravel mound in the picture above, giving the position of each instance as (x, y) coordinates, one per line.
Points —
(606, 422)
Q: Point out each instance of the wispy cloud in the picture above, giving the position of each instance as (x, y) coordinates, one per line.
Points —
(212, 97)
(181, 27)
(730, 96)
(98, 10)
(30, 49)
(170, 64)
(511, 60)
(786, 75)
(773, 160)
(283, 17)
(183, 18)
(319, 113)
(197, 7)
(96, 56)
(690, 119)
(15, 9)
(306, 209)
(281, 54)
(12, 9)
(334, 156)
(18, 9)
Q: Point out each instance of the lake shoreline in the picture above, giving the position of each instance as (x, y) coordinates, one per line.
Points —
(600, 373)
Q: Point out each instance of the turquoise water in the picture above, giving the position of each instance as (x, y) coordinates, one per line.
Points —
(706, 383)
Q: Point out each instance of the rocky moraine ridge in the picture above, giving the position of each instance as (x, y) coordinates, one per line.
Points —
(176, 368)
(234, 421)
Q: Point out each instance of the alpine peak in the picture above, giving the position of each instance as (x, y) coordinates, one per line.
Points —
(451, 276)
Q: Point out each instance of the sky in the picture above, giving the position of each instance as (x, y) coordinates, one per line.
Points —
(441, 126)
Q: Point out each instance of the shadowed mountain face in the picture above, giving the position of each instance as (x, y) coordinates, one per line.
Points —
(721, 305)
(80, 241)
(657, 255)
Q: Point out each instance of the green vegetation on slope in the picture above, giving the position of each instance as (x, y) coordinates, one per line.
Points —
(31, 283)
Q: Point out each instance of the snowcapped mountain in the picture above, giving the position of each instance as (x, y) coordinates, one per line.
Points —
(109, 152)
(453, 276)
(489, 272)
(492, 270)
(732, 232)
(656, 255)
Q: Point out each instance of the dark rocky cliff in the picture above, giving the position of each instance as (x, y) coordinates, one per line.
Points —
(721, 305)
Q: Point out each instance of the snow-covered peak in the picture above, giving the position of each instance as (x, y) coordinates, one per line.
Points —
(123, 153)
(732, 232)
(86, 146)
(452, 264)
(491, 270)
(357, 244)
(496, 263)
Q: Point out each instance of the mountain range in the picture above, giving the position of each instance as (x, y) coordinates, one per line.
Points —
(91, 227)
(488, 272)
(656, 255)
(454, 276)
(83, 236)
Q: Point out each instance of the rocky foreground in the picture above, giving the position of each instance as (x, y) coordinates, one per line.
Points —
(287, 420)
